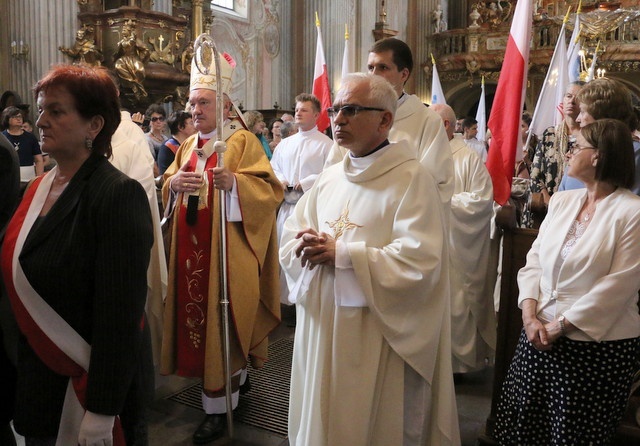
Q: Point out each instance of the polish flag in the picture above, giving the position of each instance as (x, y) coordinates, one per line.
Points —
(321, 82)
(508, 102)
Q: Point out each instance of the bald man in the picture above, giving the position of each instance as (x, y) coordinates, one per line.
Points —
(473, 327)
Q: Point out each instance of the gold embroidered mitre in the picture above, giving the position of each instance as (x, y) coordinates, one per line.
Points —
(203, 67)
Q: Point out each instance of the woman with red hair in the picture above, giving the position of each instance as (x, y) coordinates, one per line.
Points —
(75, 265)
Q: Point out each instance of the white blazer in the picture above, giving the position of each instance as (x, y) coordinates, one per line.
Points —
(598, 282)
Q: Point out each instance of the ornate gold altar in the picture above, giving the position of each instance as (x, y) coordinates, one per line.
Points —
(149, 52)
(464, 56)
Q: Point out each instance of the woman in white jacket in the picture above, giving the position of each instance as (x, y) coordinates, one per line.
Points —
(569, 379)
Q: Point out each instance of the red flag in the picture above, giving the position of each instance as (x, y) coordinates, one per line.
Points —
(506, 111)
(321, 82)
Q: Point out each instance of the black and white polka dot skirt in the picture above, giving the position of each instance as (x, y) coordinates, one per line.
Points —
(574, 394)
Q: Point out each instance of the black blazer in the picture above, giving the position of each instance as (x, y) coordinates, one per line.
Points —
(88, 259)
(9, 181)
(9, 195)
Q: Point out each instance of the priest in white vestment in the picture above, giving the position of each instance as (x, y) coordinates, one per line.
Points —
(365, 256)
(473, 322)
(132, 157)
(298, 161)
(414, 122)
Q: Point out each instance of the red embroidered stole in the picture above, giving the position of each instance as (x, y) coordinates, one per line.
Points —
(193, 269)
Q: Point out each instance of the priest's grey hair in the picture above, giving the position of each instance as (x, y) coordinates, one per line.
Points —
(381, 93)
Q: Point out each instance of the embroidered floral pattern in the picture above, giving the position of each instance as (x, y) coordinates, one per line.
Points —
(196, 320)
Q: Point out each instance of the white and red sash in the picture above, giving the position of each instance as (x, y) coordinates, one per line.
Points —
(57, 344)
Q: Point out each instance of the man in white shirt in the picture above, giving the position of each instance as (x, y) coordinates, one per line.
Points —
(473, 323)
(298, 161)
(469, 132)
(130, 154)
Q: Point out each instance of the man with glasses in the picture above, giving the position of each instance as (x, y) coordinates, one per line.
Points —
(363, 253)
(415, 123)
(298, 161)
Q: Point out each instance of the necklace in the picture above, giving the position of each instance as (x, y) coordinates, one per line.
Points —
(588, 212)
(157, 138)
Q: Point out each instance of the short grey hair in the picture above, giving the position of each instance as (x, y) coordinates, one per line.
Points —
(287, 129)
(381, 93)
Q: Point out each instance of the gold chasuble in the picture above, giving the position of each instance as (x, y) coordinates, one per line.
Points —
(192, 338)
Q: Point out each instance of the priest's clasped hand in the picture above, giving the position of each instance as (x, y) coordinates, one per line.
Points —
(316, 248)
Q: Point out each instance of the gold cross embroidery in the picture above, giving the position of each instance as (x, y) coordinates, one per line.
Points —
(342, 223)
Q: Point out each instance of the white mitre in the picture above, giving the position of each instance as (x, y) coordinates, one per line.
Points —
(203, 68)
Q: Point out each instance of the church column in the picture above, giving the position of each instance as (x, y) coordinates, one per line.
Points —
(43, 26)
(5, 46)
(196, 21)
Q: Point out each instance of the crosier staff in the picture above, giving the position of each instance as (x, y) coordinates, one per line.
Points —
(204, 49)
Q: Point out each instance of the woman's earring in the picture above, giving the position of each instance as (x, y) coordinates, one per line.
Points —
(88, 143)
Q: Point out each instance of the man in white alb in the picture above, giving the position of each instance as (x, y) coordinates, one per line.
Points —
(473, 323)
(364, 253)
(298, 161)
(130, 155)
(469, 133)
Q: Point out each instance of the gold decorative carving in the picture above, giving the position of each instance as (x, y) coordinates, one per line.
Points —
(84, 50)
(161, 53)
(130, 59)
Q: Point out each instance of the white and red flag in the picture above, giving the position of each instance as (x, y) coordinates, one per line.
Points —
(506, 111)
(321, 82)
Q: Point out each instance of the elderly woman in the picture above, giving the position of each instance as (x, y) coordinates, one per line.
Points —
(569, 379)
(75, 265)
(255, 124)
(605, 98)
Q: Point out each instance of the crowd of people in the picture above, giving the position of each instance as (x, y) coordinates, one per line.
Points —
(380, 237)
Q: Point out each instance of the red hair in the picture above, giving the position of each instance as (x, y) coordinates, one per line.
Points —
(93, 92)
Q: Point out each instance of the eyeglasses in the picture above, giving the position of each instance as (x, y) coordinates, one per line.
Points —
(349, 111)
(577, 149)
(15, 117)
(157, 118)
